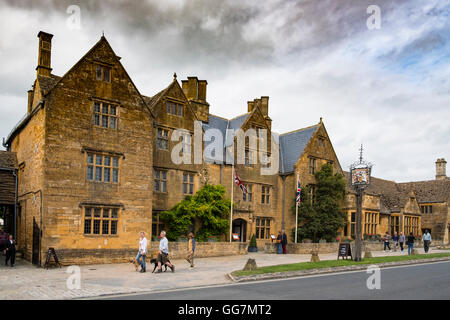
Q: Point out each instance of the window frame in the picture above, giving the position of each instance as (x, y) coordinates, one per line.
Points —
(160, 180)
(101, 219)
(108, 115)
(92, 167)
(174, 108)
(162, 138)
(249, 196)
(188, 185)
(265, 227)
(100, 73)
(265, 194)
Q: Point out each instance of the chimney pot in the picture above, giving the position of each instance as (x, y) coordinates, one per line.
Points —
(45, 53)
(441, 171)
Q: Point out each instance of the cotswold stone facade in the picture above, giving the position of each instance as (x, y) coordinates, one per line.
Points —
(94, 163)
(84, 158)
(403, 207)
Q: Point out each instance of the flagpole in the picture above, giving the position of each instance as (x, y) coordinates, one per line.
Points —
(232, 187)
(296, 214)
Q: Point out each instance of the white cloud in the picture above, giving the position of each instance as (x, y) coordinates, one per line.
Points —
(312, 58)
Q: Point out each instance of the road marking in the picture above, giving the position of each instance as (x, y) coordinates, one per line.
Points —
(254, 282)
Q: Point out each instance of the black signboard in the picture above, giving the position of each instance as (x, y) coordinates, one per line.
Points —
(52, 253)
(345, 250)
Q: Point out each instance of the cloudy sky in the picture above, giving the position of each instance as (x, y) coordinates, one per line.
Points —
(388, 88)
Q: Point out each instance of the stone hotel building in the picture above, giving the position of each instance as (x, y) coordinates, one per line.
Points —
(89, 165)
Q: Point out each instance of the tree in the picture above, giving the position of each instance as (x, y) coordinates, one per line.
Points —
(323, 217)
(208, 208)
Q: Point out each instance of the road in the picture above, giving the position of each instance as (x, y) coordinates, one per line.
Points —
(425, 281)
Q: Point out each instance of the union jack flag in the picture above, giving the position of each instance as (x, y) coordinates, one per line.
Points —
(239, 183)
(298, 200)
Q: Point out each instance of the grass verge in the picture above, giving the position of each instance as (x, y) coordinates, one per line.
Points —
(335, 263)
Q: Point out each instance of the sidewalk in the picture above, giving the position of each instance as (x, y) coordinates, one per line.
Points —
(25, 281)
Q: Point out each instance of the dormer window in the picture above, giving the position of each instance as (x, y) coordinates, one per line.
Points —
(175, 109)
(103, 73)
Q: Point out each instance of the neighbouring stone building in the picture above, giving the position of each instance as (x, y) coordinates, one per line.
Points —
(93, 157)
(403, 207)
(8, 190)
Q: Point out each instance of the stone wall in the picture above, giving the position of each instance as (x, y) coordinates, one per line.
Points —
(332, 247)
(177, 250)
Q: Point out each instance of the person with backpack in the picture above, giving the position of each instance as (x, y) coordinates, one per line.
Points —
(410, 242)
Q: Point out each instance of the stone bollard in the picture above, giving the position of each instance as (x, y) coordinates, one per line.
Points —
(250, 265)
(368, 254)
(315, 256)
(414, 251)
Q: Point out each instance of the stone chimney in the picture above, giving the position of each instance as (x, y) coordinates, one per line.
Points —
(45, 54)
(441, 173)
(262, 103)
(195, 91)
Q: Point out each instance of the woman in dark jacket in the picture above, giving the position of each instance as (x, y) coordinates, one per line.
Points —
(410, 242)
(283, 241)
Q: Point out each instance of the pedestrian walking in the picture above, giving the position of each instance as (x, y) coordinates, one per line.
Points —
(10, 251)
(401, 241)
(410, 242)
(395, 239)
(163, 256)
(191, 249)
(142, 252)
(284, 241)
(279, 238)
(387, 238)
(426, 239)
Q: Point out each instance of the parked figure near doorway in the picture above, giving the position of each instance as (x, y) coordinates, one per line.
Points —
(410, 242)
(284, 241)
(426, 239)
(10, 251)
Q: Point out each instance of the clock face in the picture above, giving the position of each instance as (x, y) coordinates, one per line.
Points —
(360, 176)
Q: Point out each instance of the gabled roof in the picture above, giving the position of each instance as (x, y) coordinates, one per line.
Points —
(292, 145)
(393, 196)
(46, 85)
(429, 191)
(8, 160)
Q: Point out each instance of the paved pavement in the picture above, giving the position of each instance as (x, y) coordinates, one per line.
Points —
(426, 281)
(25, 281)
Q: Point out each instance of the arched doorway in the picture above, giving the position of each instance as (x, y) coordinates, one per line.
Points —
(240, 227)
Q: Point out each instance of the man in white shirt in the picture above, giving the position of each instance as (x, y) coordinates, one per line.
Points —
(142, 252)
(163, 257)
(426, 239)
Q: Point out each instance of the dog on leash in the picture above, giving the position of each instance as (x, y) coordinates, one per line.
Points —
(155, 262)
(135, 263)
